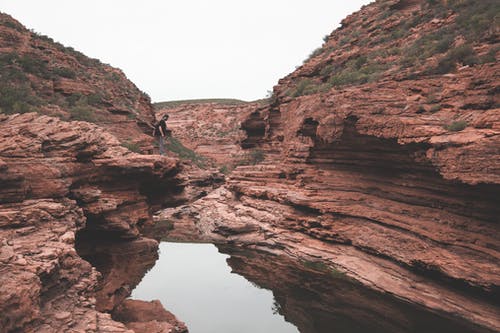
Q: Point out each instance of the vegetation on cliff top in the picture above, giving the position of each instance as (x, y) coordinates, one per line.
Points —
(402, 39)
(41, 75)
(173, 104)
(175, 146)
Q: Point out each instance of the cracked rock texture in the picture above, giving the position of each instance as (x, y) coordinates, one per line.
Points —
(211, 129)
(59, 182)
(385, 170)
(43, 76)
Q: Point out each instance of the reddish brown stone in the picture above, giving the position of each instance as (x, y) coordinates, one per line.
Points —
(394, 181)
(144, 317)
(62, 78)
(61, 181)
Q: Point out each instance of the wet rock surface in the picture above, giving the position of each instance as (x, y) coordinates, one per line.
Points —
(146, 317)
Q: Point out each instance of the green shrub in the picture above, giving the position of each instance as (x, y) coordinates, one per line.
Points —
(314, 53)
(475, 17)
(75, 98)
(427, 46)
(328, 70)
(9, 68)
(10, 24)
(385, 13)
(490, 56)
(175, 146)
(360, 61)
(95, 99)
(224, 169)
(254, 156)
(81, 112)
(35, 66)
(347, 77)
(304, 87)
(64, 72)
(435, 108)
(350, 74)
(475, 20)
(134, 147)
(463, 54)
(17, 98)
(47, 39)
(78, 99)
(456, 126)
(115, 77)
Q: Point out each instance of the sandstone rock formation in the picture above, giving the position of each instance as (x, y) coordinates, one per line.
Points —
(319, 300)
(382, 160)
(147, 317)
(65, 180)
(43, 76)
(211, 129)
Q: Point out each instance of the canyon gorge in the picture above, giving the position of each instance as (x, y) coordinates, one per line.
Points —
(369, 179)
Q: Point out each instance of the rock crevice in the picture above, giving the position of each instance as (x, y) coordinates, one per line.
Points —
(62, 181)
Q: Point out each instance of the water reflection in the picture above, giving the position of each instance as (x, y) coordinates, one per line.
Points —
(122, 265)
(195, 282)
(318, 300)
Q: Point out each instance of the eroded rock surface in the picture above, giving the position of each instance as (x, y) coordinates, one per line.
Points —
(59, 181)
(211, 129)
(317, 299)
(147, 317)
(389, 174)
(43, 76)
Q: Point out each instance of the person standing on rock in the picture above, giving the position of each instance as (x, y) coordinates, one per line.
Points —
(161, 131)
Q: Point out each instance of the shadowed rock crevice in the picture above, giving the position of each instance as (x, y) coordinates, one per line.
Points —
(122, 265)
(255, 128)
(97, 200)
(402, 173)
(391, 178)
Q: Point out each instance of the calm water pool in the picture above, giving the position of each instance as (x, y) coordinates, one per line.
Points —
(195, 282)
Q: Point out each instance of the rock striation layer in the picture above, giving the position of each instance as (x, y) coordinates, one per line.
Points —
(211, 129)
(317, 299)
(61, 183)
(43, 76)
(382, 160)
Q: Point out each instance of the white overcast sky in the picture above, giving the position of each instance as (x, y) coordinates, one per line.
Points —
(186, 49)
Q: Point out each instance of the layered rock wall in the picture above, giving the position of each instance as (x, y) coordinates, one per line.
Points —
(41, 75)
(213, 130)
(61, 181)
(317, 299)
(386, 170)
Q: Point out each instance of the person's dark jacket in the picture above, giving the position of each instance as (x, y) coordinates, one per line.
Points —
(163, 125)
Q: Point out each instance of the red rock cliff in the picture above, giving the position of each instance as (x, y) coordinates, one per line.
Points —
(212, 129)
(73, 195)
(43, 76)
(382, 159)
(65, 180)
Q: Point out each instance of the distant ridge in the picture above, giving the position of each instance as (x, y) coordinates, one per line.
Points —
(173, 104)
